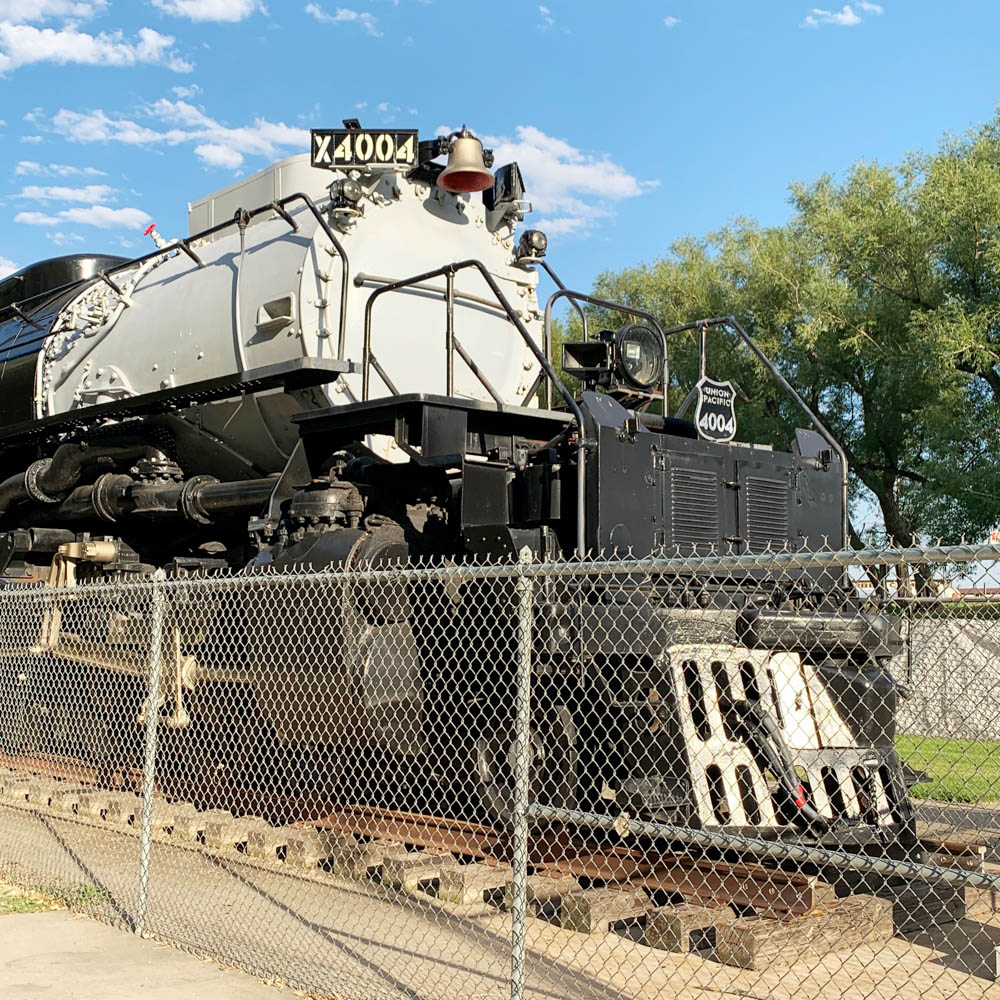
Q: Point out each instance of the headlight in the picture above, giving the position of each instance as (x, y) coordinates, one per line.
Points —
(640, 355)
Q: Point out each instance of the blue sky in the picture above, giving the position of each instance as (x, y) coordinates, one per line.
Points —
(635, 123)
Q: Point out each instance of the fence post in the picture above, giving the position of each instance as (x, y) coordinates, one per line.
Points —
(155, 668)
(522, 725)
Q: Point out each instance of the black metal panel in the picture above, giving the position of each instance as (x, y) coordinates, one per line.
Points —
(485, 494)
(402, 418)
(17, 390)
(48, 276)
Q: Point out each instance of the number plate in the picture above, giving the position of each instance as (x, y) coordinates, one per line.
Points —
(335, 148)
(715, 415)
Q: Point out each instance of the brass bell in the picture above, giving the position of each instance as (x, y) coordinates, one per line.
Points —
(466, 171)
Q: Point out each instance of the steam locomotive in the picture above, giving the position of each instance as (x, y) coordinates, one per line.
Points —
(357, 373)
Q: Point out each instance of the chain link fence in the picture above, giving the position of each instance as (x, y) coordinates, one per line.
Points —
(773, 775)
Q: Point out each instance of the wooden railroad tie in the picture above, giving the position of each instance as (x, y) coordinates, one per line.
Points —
(545, 893)
(596, 911)
(686, 927)
(414, 869)
(839, 924)
(471, 883)
(361, 859)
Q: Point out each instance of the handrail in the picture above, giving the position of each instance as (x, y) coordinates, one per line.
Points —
(448, 272)
(703, 325)
(577, 297)
(184, 246)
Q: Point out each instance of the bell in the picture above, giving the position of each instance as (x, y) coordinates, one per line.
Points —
(466, 171)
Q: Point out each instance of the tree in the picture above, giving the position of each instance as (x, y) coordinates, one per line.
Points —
(880, 302)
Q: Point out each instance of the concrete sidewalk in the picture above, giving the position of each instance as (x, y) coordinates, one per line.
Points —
(58, 955)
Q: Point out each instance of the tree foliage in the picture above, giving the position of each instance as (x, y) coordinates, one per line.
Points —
(879, 300)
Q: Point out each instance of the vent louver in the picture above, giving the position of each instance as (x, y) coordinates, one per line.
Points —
(767, 514)
(694, 507)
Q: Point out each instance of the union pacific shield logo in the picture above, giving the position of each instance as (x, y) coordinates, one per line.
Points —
(715, 416)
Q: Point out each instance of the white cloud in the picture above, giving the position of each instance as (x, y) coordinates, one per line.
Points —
(61, 239)
(7, 266)
(216, 144)
(94, 215)
(846, 17)
(209, 10)
(671, 22)
(185, 92)
(35, 219)
(20, 11)
(91, 193)
(343, 14)
(108, 218)
(215, 155)
(24, 44)
(31, 139)
(547, 22)
(56, 170)
(573, 190)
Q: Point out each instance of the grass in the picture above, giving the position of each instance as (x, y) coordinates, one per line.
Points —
(959, 770)
(17, 899)
(14, 899)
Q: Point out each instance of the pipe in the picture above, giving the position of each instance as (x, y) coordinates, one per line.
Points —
(779, 850)
(50, 480)
(200, 500)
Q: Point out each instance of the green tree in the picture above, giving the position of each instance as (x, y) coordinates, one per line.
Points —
(880, 302)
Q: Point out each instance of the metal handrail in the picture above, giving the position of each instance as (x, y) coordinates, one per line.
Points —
(703, 325)
(184, 246)
(576, 298)
(448, 272)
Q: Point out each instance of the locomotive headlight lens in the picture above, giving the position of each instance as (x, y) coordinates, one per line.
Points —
(640, 355)
(533, 243)
(346, 191)
(351, 190)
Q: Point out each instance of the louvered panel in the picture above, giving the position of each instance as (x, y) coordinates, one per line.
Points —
(694, 507)
(767, 513)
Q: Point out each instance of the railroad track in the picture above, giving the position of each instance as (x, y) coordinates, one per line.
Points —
(684, 903)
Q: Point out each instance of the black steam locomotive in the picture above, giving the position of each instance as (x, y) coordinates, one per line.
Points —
(222, 406)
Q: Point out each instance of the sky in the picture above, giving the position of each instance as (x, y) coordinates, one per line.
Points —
(634, 123)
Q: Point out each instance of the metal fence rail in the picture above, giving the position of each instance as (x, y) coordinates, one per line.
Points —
(773, 775)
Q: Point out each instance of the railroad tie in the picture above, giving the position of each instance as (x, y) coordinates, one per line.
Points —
(545, 893)
(470, 883)
(40, 790)
(14, 786)
(414, 869)
(307, 848)
(66, 797)
(360, 859)
(596, 911)
(686, 927)
(122, 807)
(266, 841)
(94, 803)
(191, 826)
(837, 925)
(229, 833)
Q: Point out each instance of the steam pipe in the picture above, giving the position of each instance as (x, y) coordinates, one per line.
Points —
(200, 500)
(50, 480)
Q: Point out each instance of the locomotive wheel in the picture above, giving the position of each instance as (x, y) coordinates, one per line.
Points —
(551, 766)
